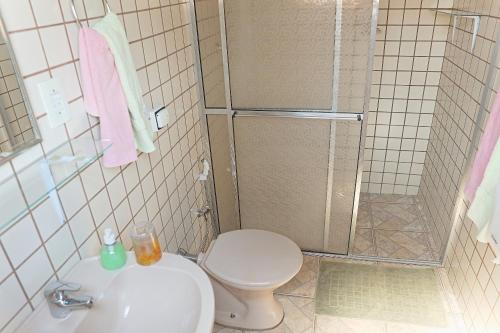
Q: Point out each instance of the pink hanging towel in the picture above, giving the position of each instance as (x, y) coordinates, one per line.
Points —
(486, 146)
(104, 98)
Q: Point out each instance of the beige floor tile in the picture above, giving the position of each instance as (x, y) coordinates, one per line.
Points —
(330, 324)
(304, 283)
(221, 329)
(398, 229)
(389, 198)
(363, 242)
(364, 215)
(299, 315)
(402, 245)
(410, 328)
(400, 216)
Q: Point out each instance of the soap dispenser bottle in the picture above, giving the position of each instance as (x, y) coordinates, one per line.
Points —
(112, 254)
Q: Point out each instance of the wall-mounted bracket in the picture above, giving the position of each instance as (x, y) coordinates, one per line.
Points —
(477, 20)
(456, 14)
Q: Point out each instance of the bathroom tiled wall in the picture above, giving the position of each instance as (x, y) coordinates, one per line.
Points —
(409, 52)
(42, 245)
(474, 278)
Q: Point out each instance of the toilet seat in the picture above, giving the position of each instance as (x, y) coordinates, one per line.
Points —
(253, 259)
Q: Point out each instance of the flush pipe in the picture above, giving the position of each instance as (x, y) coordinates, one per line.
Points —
(204, 211)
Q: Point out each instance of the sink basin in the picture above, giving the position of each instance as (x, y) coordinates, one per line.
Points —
(173, 295)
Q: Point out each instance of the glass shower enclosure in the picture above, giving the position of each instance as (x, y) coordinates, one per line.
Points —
(285, 86)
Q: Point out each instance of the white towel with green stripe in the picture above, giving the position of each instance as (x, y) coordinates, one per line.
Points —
(112, 30)
(482, 209)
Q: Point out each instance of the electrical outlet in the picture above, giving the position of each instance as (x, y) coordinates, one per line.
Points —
(54, 102)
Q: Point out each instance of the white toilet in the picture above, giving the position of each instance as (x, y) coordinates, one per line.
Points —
(245, 267)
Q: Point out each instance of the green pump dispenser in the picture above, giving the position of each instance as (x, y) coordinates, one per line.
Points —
(113, 255)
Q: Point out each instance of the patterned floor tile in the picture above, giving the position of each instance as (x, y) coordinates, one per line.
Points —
(398, 229)
(364, 215)
(411, 328)
(402, 245)
(364, 243)
(389, 198)
(400, 216)
(304, 283)
(221, 329)
(330, 324)
(299, 315)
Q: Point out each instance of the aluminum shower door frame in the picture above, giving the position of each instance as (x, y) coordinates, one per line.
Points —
(209, 184)
(331, 114)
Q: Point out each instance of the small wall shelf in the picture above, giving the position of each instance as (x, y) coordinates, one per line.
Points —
(456, 14)
(41, 178)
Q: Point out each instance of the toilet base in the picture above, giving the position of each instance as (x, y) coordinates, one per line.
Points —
(244, 309)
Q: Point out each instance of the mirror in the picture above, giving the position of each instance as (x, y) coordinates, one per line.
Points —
(18, 128)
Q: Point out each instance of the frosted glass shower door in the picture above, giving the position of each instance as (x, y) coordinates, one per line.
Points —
(283, 166)
(280, 53)
(285, 87)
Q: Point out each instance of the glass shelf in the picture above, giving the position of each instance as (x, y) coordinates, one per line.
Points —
(41, 178)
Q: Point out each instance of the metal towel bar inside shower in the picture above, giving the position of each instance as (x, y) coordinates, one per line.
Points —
(75, 14)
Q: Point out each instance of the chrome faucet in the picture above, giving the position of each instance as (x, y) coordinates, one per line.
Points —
(60, 304)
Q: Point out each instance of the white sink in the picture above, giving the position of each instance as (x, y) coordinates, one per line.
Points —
(174, 295)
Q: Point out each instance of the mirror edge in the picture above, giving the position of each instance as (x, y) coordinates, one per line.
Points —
(19, 148)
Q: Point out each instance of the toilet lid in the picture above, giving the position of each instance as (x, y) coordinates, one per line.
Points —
(254, 258)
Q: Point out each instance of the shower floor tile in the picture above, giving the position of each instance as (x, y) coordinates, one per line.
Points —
(364, 243)
(398, 229)
(399, 216)
(364, 217)
(402, 245)
(388, 198)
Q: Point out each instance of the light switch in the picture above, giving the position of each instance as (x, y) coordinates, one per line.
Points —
(54, 102)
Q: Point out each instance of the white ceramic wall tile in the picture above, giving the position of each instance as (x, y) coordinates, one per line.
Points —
(72, 197)
(46, 12)
(131, 177)
(5, 268)
(132, 26)
(69, 81)
(29, 51)
(123, 215)
(20, 241)
(100, 207)
(60, 246)
(82, 225)
(79, 122)
(49, 217)
(52, 137)
(17, 14)
(116, 189)
(90, 247)
(35, 272)
(92, 179)
(10, 208)
(11, 299)
(55, 44)
(407, 64)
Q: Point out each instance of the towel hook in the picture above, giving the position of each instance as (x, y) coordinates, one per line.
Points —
(73, 10)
